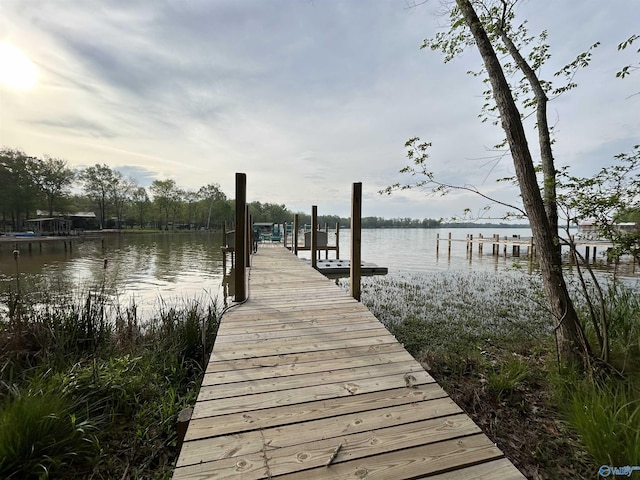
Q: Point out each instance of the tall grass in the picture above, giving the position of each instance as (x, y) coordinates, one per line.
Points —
(606, 415)
(69, 366)
(41, 432)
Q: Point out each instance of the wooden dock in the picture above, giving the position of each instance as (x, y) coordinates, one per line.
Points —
(10, 243)
(305, 383)
(516, 242)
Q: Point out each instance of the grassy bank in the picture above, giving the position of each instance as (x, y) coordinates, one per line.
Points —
(87, 391)
(488, 341)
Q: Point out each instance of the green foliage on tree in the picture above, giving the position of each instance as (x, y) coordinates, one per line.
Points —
(165, 195)
(97, 181)
(19, 192)
(54, 177)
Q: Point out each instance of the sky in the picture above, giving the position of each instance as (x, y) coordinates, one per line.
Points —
(304, 96)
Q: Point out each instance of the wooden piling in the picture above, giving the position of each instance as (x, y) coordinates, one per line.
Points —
(314, 236)
(296, 227)
(337, 240)
(480, 243)
(356, 238)
(241, 204)
(326, 244)
(182, 423)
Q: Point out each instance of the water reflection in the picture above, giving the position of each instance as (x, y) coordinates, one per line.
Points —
(137, 268)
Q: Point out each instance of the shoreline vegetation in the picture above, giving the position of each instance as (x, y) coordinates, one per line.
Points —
(88, 389)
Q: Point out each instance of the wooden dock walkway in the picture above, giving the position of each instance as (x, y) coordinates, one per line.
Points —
(305, 383)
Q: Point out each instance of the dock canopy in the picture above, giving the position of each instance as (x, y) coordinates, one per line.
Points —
(50, 226)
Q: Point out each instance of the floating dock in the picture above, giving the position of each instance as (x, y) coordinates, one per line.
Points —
(305, 383)
(340, 268)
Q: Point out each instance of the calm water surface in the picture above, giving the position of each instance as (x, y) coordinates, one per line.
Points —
(152, 269)
(147, 269)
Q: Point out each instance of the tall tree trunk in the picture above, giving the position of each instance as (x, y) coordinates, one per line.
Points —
(569, 329)
(544, 137)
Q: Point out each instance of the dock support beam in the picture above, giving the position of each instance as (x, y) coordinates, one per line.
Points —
(356, 238)
(314, 236)
(240, 240)
(296, 227)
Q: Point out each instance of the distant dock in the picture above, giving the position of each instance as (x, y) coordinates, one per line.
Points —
(515, 244)
(9, 244)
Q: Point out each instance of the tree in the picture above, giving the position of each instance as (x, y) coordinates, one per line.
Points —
(215, 201)
(19, 192)
(490, 34)
(120, 195)
(165, 193)
(141, 203)
(528, 88)
(567, 321)
(191, 199)
(97, 185)
(54, 177)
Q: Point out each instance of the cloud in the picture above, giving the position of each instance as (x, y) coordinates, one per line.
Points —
(305, 97)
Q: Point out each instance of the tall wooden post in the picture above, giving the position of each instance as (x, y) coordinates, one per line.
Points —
(326, 244)
(356, 240)
(284, 237)
(314, 236)
(296, 227)
(337, 240)
(240, 240)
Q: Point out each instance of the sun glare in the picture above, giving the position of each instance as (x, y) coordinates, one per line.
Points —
(16, 70)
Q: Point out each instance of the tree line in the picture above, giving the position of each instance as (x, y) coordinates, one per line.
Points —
(29, 184)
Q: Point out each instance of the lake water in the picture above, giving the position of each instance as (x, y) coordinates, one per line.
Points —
(154, 269)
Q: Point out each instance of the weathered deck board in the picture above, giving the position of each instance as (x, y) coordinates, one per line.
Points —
(300, 369)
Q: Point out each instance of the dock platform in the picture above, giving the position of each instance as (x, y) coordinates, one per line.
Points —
(305, 383)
